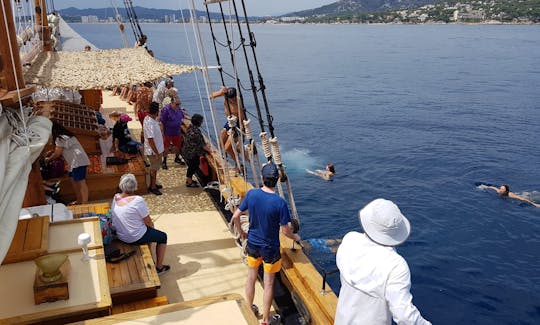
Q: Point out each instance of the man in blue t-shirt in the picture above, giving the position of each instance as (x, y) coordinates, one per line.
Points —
(268, 212)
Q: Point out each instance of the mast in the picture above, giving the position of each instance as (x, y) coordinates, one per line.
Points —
(12, 83)
(42, 24)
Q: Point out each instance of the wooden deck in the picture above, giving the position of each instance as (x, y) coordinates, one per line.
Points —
(224, 309)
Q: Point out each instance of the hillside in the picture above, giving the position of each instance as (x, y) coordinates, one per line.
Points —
(355, 6)
(411, 11)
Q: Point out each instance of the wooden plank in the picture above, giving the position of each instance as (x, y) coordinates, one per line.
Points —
(244, 309)
(33, 234)
(153, 277)
(103, 185)
(306, 281)
(98, 208)
(138, 269)
(17, 244)
(30, 240)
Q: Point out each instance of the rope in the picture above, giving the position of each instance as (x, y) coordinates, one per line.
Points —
(262, 87)
(202, 58)
(135, 17)
(132, 23)
(12, 56)
(118, 19)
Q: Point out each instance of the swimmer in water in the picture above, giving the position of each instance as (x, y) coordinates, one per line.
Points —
(504, 190)
(326, 174)
(321, 245)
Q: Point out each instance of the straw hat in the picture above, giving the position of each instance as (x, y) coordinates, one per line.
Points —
(384, 223)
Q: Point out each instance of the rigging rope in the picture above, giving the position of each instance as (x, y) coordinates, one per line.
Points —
(118, 19)
(204, 63)
(12, 56)
(136, 20)
(132, 23)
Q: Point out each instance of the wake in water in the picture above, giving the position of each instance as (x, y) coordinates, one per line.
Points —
(297, 160)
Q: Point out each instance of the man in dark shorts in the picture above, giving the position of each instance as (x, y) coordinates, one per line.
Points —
(268, 213)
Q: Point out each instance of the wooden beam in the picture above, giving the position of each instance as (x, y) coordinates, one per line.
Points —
(11, 98)
(42, 22)
(10, 62)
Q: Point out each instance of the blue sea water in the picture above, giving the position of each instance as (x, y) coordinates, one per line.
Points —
(415, 114)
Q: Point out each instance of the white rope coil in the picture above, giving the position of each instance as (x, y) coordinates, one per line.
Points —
(247, 129)
(231, 120)
(266, 145)
(275, 150)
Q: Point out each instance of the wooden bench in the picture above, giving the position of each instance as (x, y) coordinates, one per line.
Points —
(134, 278)
(141, 304)
(92, 208)
(102, 180)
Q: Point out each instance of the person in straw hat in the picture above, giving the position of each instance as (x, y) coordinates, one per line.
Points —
(375, 279)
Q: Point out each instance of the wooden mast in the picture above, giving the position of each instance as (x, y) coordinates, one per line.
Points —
(11, 76)
(42, 23)
(13, 89)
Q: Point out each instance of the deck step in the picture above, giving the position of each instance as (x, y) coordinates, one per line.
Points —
(141, 304)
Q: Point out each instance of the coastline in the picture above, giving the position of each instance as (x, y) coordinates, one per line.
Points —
(338, 23)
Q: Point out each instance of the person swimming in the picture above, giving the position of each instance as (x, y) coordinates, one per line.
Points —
(504, 190)
(321, 245)
(326, 174)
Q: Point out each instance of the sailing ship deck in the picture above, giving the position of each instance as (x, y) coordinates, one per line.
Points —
(204, 258)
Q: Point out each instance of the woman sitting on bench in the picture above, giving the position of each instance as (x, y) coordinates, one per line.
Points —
(132, 222)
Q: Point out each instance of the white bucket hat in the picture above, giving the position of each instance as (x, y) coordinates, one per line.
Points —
(384, 223)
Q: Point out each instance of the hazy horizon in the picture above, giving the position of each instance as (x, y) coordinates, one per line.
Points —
(253, 7)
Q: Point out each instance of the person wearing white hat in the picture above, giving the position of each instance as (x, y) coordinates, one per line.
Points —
(375, 279)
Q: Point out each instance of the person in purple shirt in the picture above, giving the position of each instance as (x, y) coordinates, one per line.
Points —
(171, 118)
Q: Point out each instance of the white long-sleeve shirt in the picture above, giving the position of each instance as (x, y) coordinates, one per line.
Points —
(375, 284)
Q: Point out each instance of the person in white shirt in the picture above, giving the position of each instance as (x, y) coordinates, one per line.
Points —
(153, 145)
(161, 90)
(132, 222)
(375, 279)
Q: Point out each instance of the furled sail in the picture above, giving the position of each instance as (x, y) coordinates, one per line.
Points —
(20, 143)
(99, 69)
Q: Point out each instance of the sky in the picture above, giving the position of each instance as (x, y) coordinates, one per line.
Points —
(253, 7)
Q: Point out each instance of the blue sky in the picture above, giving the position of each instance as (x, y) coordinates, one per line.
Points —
(254, 7)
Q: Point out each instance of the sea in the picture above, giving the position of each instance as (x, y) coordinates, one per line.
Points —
(418, 114)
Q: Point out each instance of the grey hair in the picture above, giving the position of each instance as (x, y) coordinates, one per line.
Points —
(128, 183)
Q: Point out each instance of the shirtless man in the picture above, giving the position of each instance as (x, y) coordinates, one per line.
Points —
(504, 190)
(232, 108)
(326, 174)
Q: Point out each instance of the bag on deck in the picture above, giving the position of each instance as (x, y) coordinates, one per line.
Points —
(116, 160)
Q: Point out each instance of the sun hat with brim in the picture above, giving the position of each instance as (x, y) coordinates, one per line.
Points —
(384, 223)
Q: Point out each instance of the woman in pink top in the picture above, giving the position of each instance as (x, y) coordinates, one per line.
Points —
(132, 222)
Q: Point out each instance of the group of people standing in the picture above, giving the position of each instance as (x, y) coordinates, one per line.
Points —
(160, 113)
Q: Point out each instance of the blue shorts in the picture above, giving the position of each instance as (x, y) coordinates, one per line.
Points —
(152, 235)
(78, 174)
(269, 256)
(226, 126)
(132, 147)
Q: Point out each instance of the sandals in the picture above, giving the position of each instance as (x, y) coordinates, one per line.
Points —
(163, 269)
(192, 184)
